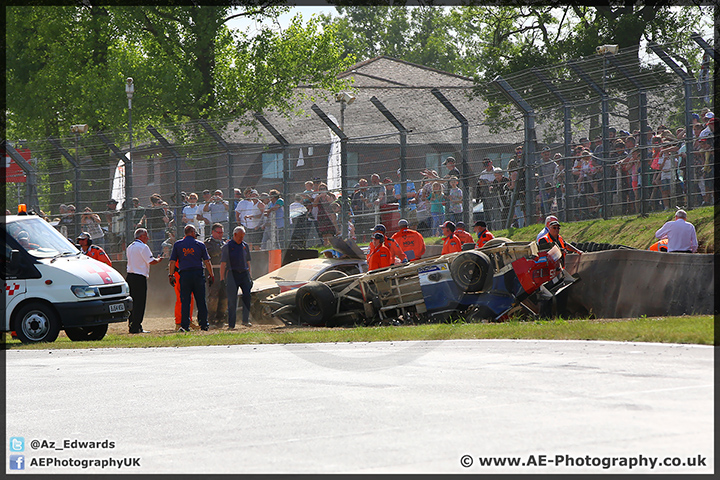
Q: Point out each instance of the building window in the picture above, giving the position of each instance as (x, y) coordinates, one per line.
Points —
(151, 171)
(352, 168)
(272, 165)
(433, 161)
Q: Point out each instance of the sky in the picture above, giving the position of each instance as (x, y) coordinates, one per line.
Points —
(244, 24)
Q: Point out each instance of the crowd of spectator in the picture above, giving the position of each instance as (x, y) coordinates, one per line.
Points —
(597, 180)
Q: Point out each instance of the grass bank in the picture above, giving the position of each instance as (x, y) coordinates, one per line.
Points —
(632, 231)
(686, 329)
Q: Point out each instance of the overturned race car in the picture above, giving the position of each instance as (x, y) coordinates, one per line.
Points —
(502, 279)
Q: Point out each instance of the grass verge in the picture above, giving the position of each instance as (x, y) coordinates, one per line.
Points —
(685, 329)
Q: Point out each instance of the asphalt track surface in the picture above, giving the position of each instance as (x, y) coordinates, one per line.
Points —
(397, 407)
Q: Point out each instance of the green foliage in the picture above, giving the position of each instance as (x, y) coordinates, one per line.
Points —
(68, 65)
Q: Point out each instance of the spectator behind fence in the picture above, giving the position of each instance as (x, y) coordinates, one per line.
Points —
(216, 210)
(325, 224)
(115, 228)
(437, 207)
(516, 184)
(410, 200)
(249, 215)
(66, 225)
(90, 223)
(138, 216)
(192, 215)
(274, 233)
(454, 201)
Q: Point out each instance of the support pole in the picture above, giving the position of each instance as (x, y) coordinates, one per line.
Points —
(31, 198)
(231, 190)
(286, 171)
(403, 152)
(529, 148)
(76, 167)
(166, 145)
(605, 125)
(688, 81)
(343, 168)
(465, 132)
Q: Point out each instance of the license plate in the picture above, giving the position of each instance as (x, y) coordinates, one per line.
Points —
(117, 307)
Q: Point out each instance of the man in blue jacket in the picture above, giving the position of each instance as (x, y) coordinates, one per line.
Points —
(188, 256)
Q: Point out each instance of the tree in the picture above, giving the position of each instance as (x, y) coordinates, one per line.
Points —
(486, 41)
(68, 65)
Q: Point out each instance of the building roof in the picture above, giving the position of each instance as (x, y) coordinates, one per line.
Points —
(404, 88)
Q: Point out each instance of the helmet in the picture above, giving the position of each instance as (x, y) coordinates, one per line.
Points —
(85, 236)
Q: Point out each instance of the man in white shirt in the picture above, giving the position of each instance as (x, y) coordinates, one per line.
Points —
(680, 234)
(139, 259)
(192, 214)
(249, 215)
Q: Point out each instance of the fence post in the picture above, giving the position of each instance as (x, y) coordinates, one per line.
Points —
(31, 198)
(529, 148)
(467, 217)
(76, 167)
(178, 201)
(567, 137)
(231, 190)
(403, 153)
(642, 115)
(343, 169)
(286, 169)
(605, 120)
(687, 83)
(126, 205)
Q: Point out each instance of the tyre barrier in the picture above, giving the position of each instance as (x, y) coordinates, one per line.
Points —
(599, 247)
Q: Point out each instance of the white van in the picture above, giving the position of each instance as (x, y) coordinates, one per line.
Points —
(50, 285)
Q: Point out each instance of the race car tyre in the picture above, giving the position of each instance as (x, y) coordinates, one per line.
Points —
(496, 241)
(470, 270)
(37, 322)
(81, 334)
(330, 275)
(316, 303)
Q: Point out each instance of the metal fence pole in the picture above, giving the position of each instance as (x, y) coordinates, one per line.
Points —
(76, 168)
(464, 125)
(343, 233)
(286, 169)
(604, 115)
(567, 137)
(31, 198)
(688, 80)
(231, 190)
(178, 202)
(529, 117)
(403, 153)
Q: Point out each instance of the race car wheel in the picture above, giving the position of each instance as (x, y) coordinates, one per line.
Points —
(81, 334)
(37, 322)
(330, 275)
(470, 270)
(316, 303)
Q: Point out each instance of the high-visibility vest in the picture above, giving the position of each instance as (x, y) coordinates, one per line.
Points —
(660, 246)
(483, 238)
(411, 243)
(379, 258)
(451, 244)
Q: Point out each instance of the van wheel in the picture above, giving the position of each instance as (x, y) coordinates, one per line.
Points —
(37, 322)
(316, 303)
(81, 334)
